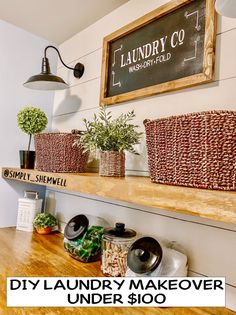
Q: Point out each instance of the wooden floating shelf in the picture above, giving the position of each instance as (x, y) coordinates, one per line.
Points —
(210, 204)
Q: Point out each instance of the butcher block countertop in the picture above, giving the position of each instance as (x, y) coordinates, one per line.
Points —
(31, 254)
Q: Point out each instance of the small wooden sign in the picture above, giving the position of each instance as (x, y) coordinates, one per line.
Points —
(34, 177)
(170, 48)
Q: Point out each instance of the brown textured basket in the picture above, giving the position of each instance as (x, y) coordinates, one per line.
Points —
(196, 150)
(112, 163)
(55, 153)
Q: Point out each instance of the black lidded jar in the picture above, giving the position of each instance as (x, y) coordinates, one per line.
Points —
(144, 256)
(115, 245)
(83, 241)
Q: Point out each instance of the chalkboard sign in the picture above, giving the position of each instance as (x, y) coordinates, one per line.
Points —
(170, 48)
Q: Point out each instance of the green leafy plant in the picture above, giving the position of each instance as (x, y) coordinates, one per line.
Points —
(44, 220)
(107, 134)
(31, 120)
(88, 247)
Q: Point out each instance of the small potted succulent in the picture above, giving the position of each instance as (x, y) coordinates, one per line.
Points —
(31, 120)
(112, 137)
(44, 223)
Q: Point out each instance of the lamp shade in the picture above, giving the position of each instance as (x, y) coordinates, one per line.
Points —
(44, 81)
(226, 8)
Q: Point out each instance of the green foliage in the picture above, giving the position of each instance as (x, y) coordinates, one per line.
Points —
(88, 247)
(107, 134)
(32, 120)
(44, 220)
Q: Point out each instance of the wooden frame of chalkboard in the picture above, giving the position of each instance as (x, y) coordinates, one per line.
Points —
(170, 48)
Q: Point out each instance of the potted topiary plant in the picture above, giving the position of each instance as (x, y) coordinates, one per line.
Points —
(31, 120)
(44, 223)
(111, 137)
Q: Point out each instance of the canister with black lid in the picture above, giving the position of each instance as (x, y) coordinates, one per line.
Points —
(115, 245)
(83, 237)
(144, 256)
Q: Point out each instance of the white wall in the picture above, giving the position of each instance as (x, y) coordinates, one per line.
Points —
(20, 57)
(210, 245)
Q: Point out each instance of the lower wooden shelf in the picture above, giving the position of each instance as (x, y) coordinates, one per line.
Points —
(210, 204)
(25, 254)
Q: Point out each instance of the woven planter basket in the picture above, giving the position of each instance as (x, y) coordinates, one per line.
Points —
(55, 153)
(196, 150)
(112, 163)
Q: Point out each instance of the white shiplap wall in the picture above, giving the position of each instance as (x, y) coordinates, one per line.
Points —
(210, 245)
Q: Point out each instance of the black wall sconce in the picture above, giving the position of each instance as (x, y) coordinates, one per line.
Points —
(48, 81)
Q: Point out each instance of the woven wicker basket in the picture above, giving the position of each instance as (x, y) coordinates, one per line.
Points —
(196, 150)
(55, 153)
(112, 163)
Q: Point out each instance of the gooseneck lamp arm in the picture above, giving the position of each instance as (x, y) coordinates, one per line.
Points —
(48, 81)
(78, 69)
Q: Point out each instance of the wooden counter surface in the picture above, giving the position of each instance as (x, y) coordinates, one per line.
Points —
(210, 204)
(31, 254)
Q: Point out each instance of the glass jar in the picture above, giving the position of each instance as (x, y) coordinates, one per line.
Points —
(83, 237)
(144, 256)
(115, 245)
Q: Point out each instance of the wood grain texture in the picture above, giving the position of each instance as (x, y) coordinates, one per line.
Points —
(34, 255)
(210, 41)
(215, 205)
(158, 89)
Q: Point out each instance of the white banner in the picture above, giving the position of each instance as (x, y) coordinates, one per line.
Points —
(115, 292)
